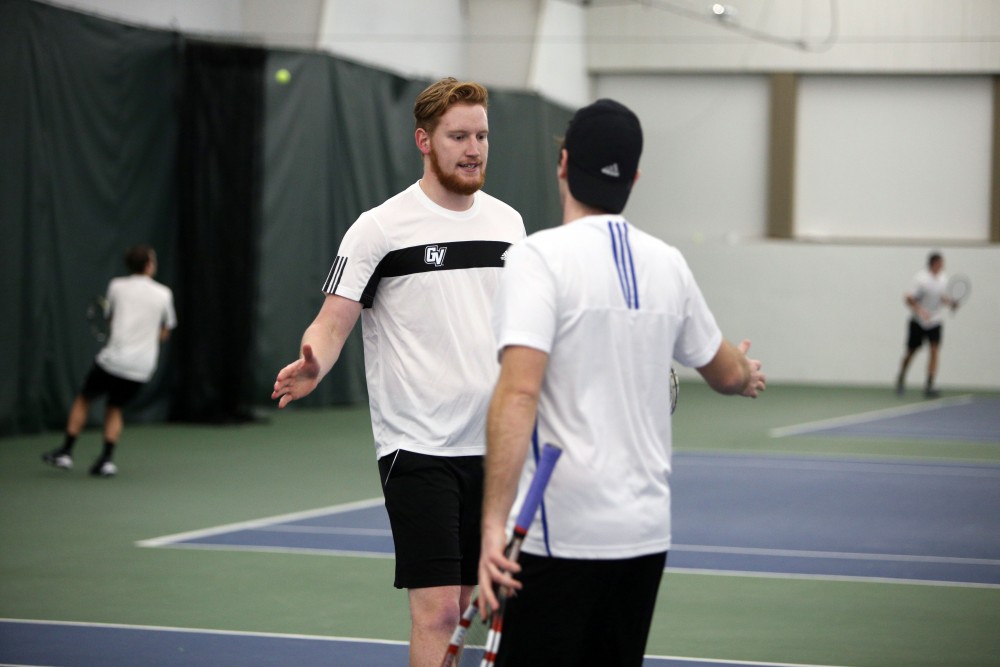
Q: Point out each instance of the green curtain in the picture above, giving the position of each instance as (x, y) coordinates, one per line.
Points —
(94, 162)
(220, 174)
(88, 152)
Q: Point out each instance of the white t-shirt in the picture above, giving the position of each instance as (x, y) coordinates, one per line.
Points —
(139, 307)
(929, 290)
(426, 276)
(612, 306)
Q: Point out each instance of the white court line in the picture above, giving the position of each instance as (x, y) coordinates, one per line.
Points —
(783, 461)
(168, 540)
(690, 548)
(865, 417)
(299, 551)
(835, 555)
(855, 579)
(323, 530)
(202, 631)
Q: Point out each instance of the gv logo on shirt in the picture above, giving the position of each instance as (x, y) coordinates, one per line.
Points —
(435, 255)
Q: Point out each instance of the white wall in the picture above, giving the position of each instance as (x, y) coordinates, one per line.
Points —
(887, 159)
(536, 45)
(817, 312)
(894, 157)
(424, 39)
(703, 171)
(558, 65)
(913, 36)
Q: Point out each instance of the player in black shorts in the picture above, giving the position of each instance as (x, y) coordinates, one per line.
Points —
(420, 271)
(926, 301)
(142, 315)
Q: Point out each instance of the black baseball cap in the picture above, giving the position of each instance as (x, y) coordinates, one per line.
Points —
(604, 141)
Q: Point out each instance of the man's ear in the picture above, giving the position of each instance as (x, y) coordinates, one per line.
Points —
(423, 140)
(563, 168)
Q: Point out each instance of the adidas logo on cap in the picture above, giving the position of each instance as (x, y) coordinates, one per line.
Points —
(603, 142)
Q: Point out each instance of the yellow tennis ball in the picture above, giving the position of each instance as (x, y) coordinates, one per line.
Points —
(282, 76)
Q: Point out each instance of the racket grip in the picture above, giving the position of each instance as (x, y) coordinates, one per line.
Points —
(546, 463)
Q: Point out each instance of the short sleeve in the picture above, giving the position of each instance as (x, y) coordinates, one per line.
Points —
(525, 308)
(699, 336)
(362, 248)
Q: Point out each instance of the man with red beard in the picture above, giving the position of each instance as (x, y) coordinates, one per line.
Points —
(421, 270)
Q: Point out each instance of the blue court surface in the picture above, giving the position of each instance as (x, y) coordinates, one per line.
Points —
(887, 521)
(962, 418)
(918, 522)
(73, 645)
(776, 516)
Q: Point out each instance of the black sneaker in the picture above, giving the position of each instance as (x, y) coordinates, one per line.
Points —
(102, 468)
(932, 393)
(59, 459)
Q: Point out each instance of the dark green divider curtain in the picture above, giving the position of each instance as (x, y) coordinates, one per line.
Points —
(339, 141)
(219, 175)
(88, 152)
(245, 184)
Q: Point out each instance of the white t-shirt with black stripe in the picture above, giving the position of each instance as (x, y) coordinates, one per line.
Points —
(612, 306)
(426, 276)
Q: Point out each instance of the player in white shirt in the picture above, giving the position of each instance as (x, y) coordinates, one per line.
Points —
(588, 318)
(926, 300)
(421, 270)
(142, 315)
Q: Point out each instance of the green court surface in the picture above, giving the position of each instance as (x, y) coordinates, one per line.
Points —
(68, 540)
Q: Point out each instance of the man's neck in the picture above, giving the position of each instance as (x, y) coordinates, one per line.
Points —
(574, 209)
(443, 197)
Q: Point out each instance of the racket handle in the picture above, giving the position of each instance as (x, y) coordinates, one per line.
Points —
(546, 462)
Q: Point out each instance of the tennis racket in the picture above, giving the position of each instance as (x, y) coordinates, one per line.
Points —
(97, 317)
(675, 390)
(958, 289)
(474, 641)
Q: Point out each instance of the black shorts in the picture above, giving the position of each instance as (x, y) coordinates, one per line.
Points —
(917, 334)
(119, 391)
(581, 612)
(434, 505)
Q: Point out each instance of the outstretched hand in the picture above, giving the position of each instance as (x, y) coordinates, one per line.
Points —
(758, 381)
(297, 379)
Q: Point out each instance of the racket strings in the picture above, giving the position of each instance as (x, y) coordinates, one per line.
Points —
(97, 316)
(958, 288)
(674, 390)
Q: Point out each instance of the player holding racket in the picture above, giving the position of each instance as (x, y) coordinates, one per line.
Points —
(421, 270)
(926, 300)
(589, 317)
(142, 315)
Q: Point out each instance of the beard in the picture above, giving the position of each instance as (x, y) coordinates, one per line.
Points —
(453, 182)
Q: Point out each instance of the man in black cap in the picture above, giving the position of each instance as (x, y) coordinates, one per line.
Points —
(588, 318)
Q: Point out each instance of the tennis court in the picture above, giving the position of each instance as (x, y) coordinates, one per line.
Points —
(799, 540)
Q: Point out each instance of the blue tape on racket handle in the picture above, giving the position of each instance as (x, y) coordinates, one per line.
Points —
(546, 462)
